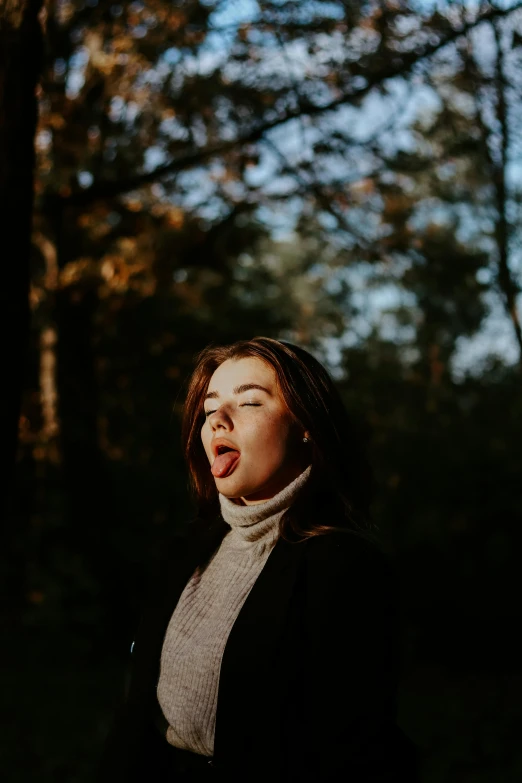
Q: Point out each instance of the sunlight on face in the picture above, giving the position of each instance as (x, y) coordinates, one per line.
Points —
(257, 423)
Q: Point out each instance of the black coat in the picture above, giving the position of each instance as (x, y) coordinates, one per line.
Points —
(307, 688)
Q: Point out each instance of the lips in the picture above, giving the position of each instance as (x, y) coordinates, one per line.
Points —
(227, 455)
(219, 445)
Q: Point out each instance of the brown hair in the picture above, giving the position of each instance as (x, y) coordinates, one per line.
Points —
(340, 486)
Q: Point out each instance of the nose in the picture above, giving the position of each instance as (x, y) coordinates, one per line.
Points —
(220, 419)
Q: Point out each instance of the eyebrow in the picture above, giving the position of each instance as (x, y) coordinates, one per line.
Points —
(239, 390)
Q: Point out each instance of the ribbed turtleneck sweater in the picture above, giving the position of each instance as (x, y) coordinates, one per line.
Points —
(205, 613)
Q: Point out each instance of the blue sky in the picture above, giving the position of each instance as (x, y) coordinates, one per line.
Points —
(497, 333)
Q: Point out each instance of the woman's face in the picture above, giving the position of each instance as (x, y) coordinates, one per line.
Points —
(246, 413)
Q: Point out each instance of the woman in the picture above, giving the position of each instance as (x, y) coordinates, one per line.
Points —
(268, 650)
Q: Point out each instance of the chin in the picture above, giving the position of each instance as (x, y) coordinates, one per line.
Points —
(233, 487)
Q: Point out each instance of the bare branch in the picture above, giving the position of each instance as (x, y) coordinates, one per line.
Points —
(398, 66)
(505, 279)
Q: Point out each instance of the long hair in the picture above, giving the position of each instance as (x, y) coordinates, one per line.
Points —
(338, 493)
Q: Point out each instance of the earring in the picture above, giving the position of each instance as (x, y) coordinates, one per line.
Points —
(305, 440)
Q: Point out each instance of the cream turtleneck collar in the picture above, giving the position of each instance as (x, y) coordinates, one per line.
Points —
(261, 520)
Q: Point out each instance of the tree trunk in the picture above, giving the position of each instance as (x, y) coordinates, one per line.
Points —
(21, 49)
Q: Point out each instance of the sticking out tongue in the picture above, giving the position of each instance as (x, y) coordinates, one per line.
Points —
(225, 463)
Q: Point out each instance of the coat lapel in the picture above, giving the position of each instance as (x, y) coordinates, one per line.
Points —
(248, 719)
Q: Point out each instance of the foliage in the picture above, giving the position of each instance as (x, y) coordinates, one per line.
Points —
(340, 174)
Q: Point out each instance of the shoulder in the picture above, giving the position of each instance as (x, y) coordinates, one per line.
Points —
(342, 548)
(349, 562)
(161, 563)
(185, 548)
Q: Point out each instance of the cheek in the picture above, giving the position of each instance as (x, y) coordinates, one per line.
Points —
(272, 431)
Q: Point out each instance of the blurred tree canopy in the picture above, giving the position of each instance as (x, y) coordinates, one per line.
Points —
(342, 174)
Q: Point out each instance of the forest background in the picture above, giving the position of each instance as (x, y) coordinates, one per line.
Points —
(345, 175)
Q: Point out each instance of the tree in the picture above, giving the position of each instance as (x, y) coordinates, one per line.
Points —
(203, 177)
(20, 64)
